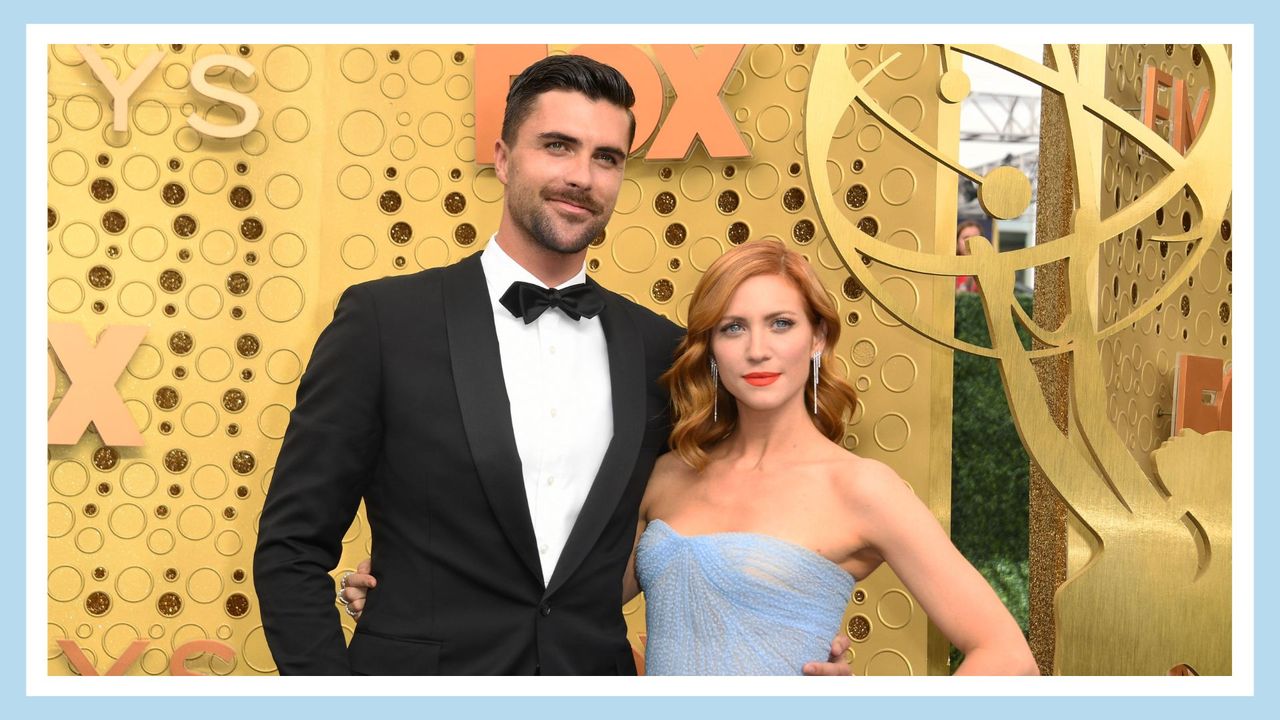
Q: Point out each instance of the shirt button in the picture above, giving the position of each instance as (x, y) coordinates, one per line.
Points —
(542, 548)
(551, 481)
(552, 349)
(553, 412)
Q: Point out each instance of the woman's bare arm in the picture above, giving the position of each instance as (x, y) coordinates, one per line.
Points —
(952, 592)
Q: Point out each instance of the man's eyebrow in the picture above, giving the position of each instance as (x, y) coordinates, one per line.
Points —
(566, 139)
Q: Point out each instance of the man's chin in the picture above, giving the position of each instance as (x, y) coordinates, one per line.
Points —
(556, 243)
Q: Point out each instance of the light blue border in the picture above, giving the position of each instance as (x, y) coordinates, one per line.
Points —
(12, 294)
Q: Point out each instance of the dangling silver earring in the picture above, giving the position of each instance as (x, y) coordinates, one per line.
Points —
(817, 365)
(715, 391)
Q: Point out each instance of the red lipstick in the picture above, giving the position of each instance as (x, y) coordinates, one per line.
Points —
(760, 379)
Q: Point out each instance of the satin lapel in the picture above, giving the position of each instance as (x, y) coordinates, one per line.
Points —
(626, 375)
(486, 410)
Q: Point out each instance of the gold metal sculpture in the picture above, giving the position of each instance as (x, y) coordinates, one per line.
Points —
(1156, 591)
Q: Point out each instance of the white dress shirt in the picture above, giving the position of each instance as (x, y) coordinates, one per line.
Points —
(556, 371)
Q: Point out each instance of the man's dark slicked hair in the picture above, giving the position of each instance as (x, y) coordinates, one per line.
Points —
(576, 73)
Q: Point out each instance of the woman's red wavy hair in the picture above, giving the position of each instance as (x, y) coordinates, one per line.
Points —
(689, 379)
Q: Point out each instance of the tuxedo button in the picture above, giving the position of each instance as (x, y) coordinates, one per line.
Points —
(553, 412)
(545, 610)
(542, 549)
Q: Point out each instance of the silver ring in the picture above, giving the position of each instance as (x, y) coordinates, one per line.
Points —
(351, 611)
(342, 585)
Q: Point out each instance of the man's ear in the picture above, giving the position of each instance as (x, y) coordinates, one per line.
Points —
(500, 157)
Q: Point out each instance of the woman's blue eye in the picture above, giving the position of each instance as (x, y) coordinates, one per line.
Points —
(731, 328)
(783, 323)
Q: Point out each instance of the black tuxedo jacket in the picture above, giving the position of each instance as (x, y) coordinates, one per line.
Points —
(403, 403)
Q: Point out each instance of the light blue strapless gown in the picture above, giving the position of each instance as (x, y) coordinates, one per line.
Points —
(736, 603)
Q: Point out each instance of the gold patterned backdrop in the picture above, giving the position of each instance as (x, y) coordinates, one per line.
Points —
(232, 253)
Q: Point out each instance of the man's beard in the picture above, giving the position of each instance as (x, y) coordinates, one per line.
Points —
(540, 229)
(533, 218)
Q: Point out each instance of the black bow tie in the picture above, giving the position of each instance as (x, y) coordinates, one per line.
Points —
(528, 301)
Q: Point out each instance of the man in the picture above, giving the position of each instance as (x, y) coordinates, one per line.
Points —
(500, 433)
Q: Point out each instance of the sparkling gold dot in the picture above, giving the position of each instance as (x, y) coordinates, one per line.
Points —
(167, 398)
(251, 228)
(247, 345)
(401, 233)
(389, 201)
(184, 226)
(852, 288)
(100, 277)
(675, 234)
(113, 221)
(793, 199)
(237, 605)
(727, 202)
(240, 197)
(464, 234)
(455, 203)
(170, 281)
(173, 194)
(233, 400)
(869, 225)
(856, 197)
(662, 290)
(859, 628)
(181, 342)
(97, 604)
(176, 460)
(664, 203)
(169, 604)
(802, 232)
(739, 233)
(237, 283)
(105, 458)
(243, 462)
(102, 190)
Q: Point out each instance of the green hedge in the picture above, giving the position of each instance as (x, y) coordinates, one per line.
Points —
(989, 467)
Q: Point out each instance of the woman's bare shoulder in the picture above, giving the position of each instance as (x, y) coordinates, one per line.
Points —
(670, 473)
(866, 484)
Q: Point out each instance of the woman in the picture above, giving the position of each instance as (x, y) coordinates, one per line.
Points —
(754, 529)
